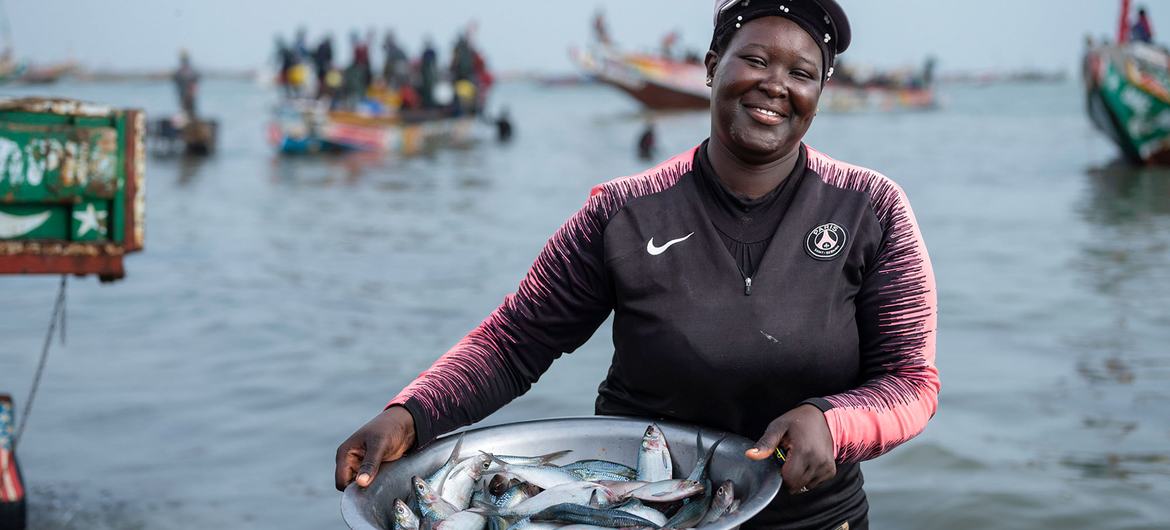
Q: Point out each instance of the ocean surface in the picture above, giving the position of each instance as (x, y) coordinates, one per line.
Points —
(280, 303)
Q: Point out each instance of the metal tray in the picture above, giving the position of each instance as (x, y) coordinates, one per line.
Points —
(611, 438)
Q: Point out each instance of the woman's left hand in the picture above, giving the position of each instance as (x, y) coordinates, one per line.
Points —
(804, 435)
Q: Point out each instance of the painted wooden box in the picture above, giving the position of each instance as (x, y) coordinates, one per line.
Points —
(72, 189)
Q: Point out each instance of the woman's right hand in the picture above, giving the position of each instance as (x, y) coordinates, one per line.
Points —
(382, 439)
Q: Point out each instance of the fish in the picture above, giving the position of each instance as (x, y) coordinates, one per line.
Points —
(515, 495)
(540, 460)
(464, 520)
(654, 457)
(667, 490)
(582, 467)
(634, 506)
(435, 480)
(701, 471)
(461, 481)
(720, 502)
(578, 514)
(528, 524)
(432, 506)
(544, 476)
(404, 517)
(573, 492)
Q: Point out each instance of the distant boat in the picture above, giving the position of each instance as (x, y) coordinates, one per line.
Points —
(1127, 86)
(306, 127)
(664, 84)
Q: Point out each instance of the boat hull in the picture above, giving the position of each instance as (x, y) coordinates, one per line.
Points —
(1127, 91)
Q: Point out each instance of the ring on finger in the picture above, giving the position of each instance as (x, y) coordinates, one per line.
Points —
(803, 489)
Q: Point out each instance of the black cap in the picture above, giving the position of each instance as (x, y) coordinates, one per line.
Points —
(824, 20)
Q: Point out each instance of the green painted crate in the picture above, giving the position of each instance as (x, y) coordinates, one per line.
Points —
(71, 187)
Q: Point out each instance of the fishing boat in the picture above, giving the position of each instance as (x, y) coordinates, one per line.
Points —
(309, 127)
(664, 84)
(1127, 86)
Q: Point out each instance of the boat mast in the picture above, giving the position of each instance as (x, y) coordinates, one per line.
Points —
(1123, 26)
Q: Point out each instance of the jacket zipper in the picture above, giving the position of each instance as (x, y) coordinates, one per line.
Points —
(747, 286)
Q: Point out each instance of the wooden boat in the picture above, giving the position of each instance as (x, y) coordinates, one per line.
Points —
(307, 127)
(663, 84)
(12, 497)
(179, 135)
(1128, 95)
(1127, 88)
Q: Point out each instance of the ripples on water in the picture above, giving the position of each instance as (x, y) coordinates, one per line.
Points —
(280, 303)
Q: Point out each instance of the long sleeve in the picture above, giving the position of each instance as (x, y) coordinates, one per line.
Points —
(897, 321)
(560, 303)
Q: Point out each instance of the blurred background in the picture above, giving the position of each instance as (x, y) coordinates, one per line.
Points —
(321, 226)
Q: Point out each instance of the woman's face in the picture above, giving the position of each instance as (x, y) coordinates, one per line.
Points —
(765, 89)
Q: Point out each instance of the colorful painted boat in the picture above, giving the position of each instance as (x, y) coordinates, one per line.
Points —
(1128, 93)
(305, 127)
(12, 497)
(72, 196)
(661, 84)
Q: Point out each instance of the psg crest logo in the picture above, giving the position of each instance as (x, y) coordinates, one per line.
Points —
(825, 242)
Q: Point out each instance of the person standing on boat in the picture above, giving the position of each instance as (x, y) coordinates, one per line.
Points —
(1142, 31)
(396, 68)
(187, 84)
(428, 74)
(757, 286)
(323, 63)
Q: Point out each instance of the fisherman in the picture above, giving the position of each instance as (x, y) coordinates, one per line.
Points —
(1142, 31)
(647, 142)
(285, 60)
(323, 63)
(187, 83)
(396, 69)
(756, 286)
(428, 74)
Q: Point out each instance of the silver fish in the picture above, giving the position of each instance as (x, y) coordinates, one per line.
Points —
(404, 517)
(546, 477)
(432, 506)
(540, 460)
(667, 490)
(528, 524)
(464, 520)
(515, 495)
(460, 483)
(693, 511)
(654, 457)
(571, 493)
(724, 495)
(602, 467)
(634, 506)
(578, 514)
(435, 480)
(700, 473)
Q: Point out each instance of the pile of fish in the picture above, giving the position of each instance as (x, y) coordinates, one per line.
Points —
(498, 492)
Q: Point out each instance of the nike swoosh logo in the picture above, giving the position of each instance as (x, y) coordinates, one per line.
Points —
(655, 250)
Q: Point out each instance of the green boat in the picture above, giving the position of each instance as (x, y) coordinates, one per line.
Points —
(1127, 85)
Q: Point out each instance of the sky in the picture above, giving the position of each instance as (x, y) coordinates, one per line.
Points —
(535, 35)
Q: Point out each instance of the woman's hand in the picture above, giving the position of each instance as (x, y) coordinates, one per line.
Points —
(804, 435)
(382, 439)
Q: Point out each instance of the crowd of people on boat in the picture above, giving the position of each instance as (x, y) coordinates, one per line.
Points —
(399, 82)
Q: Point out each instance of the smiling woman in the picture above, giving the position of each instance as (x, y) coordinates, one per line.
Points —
(757, 286)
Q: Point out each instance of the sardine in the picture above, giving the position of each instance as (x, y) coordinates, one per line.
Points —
(654, 457)
(578, 514)
(435, 480)
(404, 517)
(539, 460)
(701, 471)
(667, 490)
(460, 483)
(528, 524)
(693, 511)
(517, 494)
(571, 493)
(546, 477)
(720, 502)
(464, 520)
(603, 466)
(634, 506)
(432, 506)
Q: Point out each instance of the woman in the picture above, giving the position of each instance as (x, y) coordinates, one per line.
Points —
(757, 286)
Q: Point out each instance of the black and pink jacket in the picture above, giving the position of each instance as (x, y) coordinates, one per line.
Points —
(840, 314)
